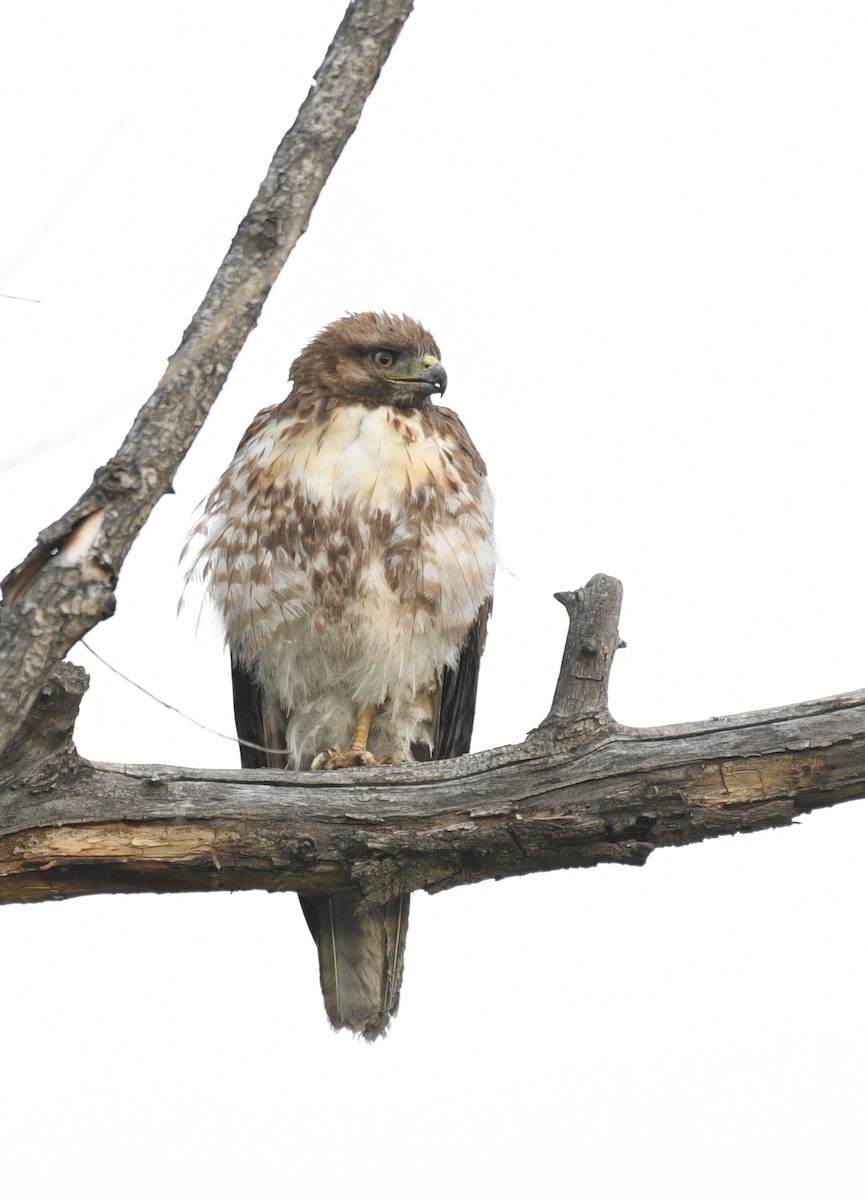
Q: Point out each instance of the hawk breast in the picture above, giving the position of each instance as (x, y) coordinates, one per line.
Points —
(360, 541)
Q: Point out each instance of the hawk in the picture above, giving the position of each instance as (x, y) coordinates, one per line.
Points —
(348, 550)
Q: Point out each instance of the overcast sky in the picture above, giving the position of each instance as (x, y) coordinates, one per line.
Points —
(637, 230)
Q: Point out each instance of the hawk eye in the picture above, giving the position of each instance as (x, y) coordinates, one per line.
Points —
(383, 358)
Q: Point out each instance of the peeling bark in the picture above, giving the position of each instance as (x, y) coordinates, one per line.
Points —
(580, 790)
(65, 586)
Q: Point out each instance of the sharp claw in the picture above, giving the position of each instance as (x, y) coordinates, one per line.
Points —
(335, 760)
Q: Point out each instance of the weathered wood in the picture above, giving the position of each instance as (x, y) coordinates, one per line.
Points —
(580, 701)
(69, 827)
(66, 584)
(580, 790)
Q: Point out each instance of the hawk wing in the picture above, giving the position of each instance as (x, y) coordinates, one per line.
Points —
(248, 717)
(256, 722)
(457, 694)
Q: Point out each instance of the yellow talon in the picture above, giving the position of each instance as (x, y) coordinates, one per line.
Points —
(361, 732)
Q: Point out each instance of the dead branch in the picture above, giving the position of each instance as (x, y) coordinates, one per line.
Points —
(580, 790)
(66, 584)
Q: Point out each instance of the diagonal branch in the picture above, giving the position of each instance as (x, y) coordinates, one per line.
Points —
(66, 585)
(582, 794)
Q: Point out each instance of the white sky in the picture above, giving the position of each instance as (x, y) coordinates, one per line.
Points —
(636, 230)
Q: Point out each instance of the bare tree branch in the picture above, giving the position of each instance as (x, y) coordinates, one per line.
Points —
(580, 790)
(66, 585)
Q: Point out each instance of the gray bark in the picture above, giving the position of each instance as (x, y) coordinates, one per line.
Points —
(580, 790)
(66, 585)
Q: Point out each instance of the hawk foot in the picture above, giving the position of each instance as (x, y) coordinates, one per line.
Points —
(335, 760)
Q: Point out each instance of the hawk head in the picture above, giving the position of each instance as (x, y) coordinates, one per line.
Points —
(371, 358)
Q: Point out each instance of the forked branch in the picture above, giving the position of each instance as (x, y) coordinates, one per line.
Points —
(580, 790)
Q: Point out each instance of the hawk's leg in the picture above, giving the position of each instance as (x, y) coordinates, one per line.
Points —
(357, 754)
(361, 732)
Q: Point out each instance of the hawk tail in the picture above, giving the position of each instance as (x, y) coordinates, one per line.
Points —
(360, 959)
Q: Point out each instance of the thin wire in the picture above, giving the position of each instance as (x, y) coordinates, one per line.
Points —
(171, 708)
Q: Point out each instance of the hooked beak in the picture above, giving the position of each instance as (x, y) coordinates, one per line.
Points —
(431, 377)
(435, 375)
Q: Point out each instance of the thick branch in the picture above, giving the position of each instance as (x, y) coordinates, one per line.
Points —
(66, 585)
(602, 793)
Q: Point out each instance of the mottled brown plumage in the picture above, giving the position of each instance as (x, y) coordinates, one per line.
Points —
(348, 549)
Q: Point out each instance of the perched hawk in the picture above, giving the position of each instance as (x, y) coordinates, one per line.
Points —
(348, 549)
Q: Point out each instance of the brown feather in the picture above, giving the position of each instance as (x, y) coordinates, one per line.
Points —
(348, 547)
(360, 956)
